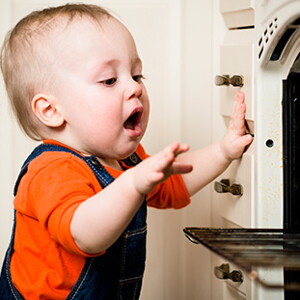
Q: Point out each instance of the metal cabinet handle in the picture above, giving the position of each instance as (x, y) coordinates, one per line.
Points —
(235, 80)
(224, 187)
(223, 272)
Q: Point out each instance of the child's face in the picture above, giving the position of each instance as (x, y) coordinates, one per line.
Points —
(99, 89)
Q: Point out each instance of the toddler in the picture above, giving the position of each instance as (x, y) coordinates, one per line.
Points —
(75, 82)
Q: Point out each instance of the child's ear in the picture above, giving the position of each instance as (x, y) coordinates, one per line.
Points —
(47, 110)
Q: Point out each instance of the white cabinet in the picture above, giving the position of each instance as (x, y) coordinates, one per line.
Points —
(250, 31)
(234, 52)
(236, 55)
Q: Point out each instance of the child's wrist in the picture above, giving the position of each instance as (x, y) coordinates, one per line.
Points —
(135, 180)
(223, 153)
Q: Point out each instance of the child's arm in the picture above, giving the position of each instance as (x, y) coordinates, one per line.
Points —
(100, 220)
(211, 161)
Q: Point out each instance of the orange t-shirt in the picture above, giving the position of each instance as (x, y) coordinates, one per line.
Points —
(46, 261)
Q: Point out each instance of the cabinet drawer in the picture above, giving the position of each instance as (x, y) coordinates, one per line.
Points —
(237, 13)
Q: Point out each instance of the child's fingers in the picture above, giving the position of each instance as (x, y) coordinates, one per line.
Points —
(179, 168)
(167, 156)
(177, 148)
(239, 107)
(240, 96)
(247, 139)
(237, 121)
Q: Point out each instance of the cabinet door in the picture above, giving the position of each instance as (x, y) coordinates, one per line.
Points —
(230, 210)
(235, 60)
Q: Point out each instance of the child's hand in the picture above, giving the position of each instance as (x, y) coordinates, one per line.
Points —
(235, 140)
(159, 167)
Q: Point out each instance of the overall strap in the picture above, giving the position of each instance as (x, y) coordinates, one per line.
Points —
(102, 175)
(37, 152)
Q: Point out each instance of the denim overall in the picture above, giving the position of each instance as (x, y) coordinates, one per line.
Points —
(118, 273)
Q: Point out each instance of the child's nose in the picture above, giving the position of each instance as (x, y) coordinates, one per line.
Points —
(133, 89)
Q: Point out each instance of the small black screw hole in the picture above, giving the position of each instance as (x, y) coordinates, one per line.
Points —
(269, 143)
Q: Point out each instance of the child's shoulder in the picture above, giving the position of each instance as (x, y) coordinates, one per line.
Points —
(57, 160)
(57, 165)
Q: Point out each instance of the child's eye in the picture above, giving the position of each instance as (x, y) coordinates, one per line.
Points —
(109, 81)
(138, 78)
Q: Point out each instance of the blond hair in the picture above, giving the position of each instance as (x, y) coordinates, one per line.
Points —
(25, 65)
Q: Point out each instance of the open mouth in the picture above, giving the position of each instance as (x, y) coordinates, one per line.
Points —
(132, 124)
(134, 119)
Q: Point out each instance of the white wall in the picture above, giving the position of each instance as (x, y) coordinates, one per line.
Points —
(174, 38)
(197, 83)
(6, 143)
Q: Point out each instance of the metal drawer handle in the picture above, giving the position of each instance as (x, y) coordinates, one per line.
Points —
(224, 187)
(235, 80)
(223, 272)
